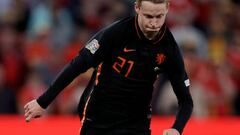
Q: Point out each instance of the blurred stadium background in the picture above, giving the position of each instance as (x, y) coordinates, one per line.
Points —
(37, 37)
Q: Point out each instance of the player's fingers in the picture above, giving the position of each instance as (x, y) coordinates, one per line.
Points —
(26, 106)
(170, 132)
(165, 133)
(27, 113)
(26, 109)
(28, 118)
(37, 116)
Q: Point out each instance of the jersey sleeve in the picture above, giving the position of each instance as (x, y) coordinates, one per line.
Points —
(95, 51)
(180, 83)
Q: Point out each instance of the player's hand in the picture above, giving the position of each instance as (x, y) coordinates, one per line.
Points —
(171, 131)
(33, 110)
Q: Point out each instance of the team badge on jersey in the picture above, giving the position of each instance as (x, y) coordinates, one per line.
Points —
(160, 58)
(93, 46)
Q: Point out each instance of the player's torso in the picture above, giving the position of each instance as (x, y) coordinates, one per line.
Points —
(136, 60)
(125, 79)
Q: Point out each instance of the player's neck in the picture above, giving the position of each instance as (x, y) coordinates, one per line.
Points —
(150, 35)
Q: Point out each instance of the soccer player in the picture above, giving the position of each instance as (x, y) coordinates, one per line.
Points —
(128, 56)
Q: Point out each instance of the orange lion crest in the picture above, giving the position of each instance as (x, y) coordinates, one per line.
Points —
(160, 58)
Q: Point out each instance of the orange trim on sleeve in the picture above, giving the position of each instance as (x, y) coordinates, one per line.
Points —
(85, 109)
(98, 73)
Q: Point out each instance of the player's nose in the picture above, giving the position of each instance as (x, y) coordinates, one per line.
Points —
(153, 23)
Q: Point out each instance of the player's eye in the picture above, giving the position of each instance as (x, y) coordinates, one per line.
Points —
(149, 16)
(159, 16)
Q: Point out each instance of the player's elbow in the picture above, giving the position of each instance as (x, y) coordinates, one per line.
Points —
(187, 103)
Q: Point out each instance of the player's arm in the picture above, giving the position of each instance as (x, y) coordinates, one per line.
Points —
(180, 83)
(78, 65)
(90, 56)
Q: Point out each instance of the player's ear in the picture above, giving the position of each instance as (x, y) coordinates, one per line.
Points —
(137, 7)
(167, 6)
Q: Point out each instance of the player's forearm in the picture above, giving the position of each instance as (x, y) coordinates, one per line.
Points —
(185, 110)
(78, 65)
(63, 79)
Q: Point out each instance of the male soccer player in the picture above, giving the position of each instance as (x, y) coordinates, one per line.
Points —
(128, 55)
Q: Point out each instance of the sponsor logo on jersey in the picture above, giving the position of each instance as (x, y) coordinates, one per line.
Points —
(160, 58)
(93, 46)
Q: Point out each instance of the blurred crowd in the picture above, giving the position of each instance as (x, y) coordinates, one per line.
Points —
(38, 37)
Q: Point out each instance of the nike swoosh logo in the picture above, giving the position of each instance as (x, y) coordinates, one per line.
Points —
(128, 50)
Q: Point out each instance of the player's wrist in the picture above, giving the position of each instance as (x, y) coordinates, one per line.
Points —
(40, 103)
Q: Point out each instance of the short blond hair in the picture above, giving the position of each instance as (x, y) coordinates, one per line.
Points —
(154, 1)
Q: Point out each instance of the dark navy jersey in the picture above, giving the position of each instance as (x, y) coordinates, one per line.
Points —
(127, 65)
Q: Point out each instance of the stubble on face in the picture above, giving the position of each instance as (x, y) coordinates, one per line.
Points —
(151, 17)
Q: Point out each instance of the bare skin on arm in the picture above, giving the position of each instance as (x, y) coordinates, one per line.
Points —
(171, 131)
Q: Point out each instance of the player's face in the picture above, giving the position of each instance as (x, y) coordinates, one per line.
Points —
(151, 16)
